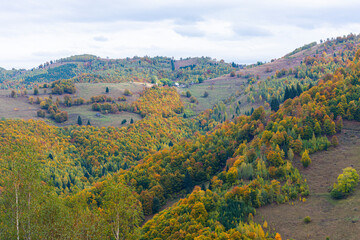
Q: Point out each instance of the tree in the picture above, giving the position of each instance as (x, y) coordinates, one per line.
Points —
(13, 94)
(156, 205)
(122, 211)
(79, 121)
(206, 94)
(127, 92)
(25, 198)
(107, 90)
(334, 141)
(346, 182)
(188, 184)
(88, 123)
(305, 159)
(291, 154)
(41, 113)
(36, 91)
(274, 104)
(329, 127)
(131, 121)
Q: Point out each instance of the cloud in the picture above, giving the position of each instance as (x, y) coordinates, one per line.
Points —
(33, 32)
(251, 31)
(100, 39)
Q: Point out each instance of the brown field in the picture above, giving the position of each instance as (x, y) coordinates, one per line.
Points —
(336, 219)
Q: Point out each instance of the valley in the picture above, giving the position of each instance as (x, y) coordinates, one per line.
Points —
(181, 149)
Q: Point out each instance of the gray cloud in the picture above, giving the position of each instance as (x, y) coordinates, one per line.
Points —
(35, 31)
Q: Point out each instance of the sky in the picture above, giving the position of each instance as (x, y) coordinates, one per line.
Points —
(36, 31)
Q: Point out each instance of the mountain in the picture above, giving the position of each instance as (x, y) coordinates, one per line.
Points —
(189, 165)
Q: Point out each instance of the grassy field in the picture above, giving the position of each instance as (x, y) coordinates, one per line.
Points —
(20, 108)
(86, 114)
(336, 219)
(87, 90)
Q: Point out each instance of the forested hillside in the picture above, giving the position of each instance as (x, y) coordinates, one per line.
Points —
(86, 182)
(88, 68)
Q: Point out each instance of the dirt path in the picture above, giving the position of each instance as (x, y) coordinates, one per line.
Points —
(330, 218)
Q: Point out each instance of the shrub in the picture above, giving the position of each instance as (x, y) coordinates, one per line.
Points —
(346, 182)
(307, 219)
(334, 141)
(41, 113)
(193, 100)
(127, 92)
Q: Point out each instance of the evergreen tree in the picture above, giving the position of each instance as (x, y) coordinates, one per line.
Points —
(36, 91)
(156, 205)
(274, 104)
(88, 123)
(107, 90)
(286, 94)
(188, 184)
(79, 121)
(298, 90)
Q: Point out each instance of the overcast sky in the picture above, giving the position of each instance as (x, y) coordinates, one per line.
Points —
(35, 31)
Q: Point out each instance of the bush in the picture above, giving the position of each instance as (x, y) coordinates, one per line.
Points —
(206, 94)
(334, 141)
(41, 113)
(123, 121)
(307, 219)
(127, 92)
(193, 100)
(346, 182)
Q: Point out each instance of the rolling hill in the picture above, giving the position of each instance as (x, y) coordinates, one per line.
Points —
(257, 152)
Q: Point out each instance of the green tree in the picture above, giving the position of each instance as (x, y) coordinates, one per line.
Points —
(79, 121)
(36, 91)
(156, 205)
(346, 182)
(305, 159)
(107, 90)
(122, 211)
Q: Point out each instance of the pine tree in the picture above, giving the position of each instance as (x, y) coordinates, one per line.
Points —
(107, 90)
(36, 91)
(298, 90)
(274, 104)
(188, 184)
(88, 123)
(156, 205)
(79, 121)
